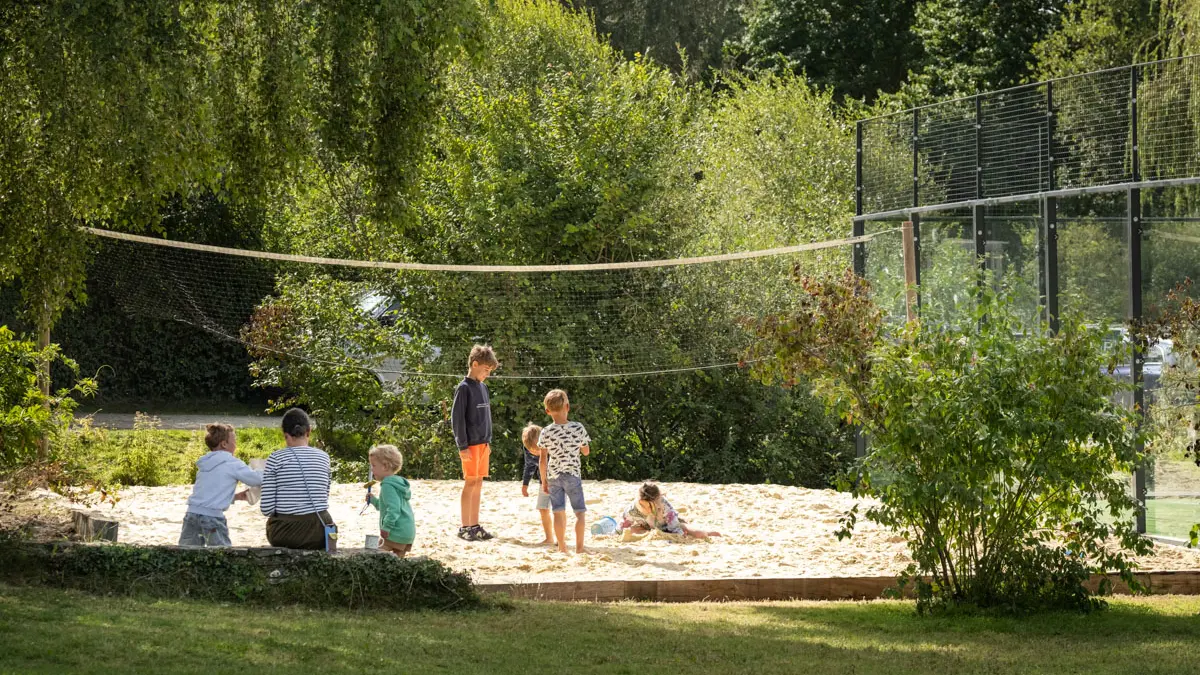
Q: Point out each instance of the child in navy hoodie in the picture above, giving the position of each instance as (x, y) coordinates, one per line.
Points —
(217, 476)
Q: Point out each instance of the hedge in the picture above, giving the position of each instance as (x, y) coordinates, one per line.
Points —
(261, 576)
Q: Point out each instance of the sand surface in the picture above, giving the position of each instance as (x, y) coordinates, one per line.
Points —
(769, 531)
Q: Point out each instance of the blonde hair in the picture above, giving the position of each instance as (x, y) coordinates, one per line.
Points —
(483, 355)
(217, 433)
(389, 456)
(556, 399)
(529, 435)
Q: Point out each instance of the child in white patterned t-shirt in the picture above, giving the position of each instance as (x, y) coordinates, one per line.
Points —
(562, 443)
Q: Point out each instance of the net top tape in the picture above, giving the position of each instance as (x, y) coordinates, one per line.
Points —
(510, 269)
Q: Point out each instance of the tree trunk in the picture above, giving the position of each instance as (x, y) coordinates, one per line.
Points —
(44, 375)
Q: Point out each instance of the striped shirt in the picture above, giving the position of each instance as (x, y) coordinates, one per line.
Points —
(295, 482)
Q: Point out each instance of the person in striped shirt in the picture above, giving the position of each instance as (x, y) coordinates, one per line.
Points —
(295, 488)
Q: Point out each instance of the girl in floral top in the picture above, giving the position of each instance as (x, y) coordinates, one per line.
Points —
(652, 511)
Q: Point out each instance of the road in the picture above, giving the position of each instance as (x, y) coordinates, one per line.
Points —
(186, 422)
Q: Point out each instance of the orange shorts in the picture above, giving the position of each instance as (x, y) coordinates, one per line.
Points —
(477, 465)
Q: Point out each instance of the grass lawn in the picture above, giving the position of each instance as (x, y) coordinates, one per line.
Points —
(54, 631)
(1172, 517)
(160, 456)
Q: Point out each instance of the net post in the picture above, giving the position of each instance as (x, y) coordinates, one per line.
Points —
(910, 270)
(1134, 233)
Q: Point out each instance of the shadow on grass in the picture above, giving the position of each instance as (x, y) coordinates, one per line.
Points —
(53, 631)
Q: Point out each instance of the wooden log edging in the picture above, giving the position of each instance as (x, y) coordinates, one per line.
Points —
(92, 526)
(767, 588)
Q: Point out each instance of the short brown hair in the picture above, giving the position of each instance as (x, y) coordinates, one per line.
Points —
(484, 355)
(216, 434)
(649, 492)
(556, 399)
(389, 456)
(530, 435)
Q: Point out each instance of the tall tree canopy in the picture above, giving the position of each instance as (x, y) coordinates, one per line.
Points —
(972, 46)
(659, 30)
(1098, 34)
(109, 109)
(855, 47)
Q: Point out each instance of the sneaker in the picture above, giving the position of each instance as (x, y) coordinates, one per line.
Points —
(482, 534)
(466, 533)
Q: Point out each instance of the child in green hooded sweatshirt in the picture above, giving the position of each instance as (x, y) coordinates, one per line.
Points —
(397, 527)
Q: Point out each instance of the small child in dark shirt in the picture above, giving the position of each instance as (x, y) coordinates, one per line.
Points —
(529, 438)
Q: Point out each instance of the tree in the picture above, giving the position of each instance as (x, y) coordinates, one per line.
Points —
(1098, 34)
(855, 47)
(776, 166)
(555, 149)
(662, 30)
(1178, 23)
(110, 109)
(972, 46)
(552, 149)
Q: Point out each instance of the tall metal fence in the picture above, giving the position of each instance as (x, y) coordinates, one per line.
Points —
(1096, 132)
(1079, 194)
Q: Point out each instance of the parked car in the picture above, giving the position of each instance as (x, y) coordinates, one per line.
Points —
(1157, 357)
(384, 309)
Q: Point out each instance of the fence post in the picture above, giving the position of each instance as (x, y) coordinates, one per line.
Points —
(915, 218)
(1050, 218)
(1133, 231)
(858, 227)
(977, 213)
(860, 251)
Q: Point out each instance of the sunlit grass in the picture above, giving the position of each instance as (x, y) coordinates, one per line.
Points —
(56, 631)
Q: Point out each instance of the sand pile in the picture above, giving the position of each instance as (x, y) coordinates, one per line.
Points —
(770, 531)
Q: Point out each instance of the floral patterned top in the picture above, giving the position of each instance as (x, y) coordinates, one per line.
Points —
(662, 516)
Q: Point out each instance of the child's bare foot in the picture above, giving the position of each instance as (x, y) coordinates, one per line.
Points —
(562, 548)
(580, 549)
(546, 542)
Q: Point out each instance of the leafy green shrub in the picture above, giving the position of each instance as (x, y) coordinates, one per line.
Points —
(355, 471)
(168, 455)
(238, 575)
(26, 414)
(143, 457)
(315, 341)
(997, 451)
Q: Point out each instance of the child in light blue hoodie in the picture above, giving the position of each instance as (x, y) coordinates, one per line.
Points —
(217, 476)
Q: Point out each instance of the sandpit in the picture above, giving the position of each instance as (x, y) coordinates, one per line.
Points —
(769, 531)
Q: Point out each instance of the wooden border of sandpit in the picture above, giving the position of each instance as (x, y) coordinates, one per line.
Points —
(1186, 582)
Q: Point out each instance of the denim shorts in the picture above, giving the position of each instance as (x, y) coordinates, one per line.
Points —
(201, 530)
(564, 486)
